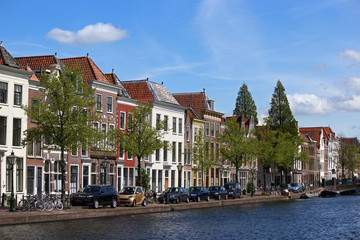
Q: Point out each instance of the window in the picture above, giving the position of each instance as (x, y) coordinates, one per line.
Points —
(166, 120)
(9, 175)
(47, 177)
(217, 128)
(2, 130)
(212, 130)
(109, 104)
(3, 92)
(118, 179)
(122, 120)
(174, 151)
(96, 142)
(73, 179)
(130, 156)
(84, 149)
(185, 156)
(35, 104)
(17, 95)
(93, 173)
(125, 177)
(187, 133)
(38, 147)
(130, 121)
(121, 151)
(174, 124)
(172, 178)
(179, 152)
(180, 125)
(165, 151)
(30, 149)
(112, 137)
(157, 155)
(207, 129)
(57, 176)
(158, 121)
(112, 176)
(103, 131)
(98, 102)
(131, 176)
(30, 180)
(153, 180)
(74, 150)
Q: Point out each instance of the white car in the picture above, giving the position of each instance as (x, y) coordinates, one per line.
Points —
(296, 187)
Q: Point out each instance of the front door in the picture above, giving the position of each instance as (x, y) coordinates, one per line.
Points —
(166, 183)
(73, 179)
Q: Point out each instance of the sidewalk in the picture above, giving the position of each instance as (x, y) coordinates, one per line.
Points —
(20, 217)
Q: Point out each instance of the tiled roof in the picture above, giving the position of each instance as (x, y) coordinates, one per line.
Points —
(116, 81)
(194, 100)
(351, 141)
(161, 93)
(6, 59)
(139, 90)
(86, 64)
(37, 62)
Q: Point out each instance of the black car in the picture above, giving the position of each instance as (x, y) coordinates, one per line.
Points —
(199, 193)
(233, 189)
(95, 195)
(174, 194)
(218, 192)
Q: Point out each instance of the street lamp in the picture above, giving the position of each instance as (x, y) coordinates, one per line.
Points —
(105, 164)
(12, 160)
(179, 167)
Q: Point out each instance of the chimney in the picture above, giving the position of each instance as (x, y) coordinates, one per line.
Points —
(112, 71)
(1, 43)
(87, 55)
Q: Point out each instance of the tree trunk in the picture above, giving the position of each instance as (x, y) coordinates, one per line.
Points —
(237, 174)
(138, 180)
(63, 168)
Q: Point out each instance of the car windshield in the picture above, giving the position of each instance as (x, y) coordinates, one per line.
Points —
(127, 190)
(284, 186)
(294, 184)
(194, 189)
(172, 190)
(89, 189)
(214, 188)
(230, 186)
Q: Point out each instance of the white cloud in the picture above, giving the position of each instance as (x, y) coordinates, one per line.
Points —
(353, 83)
(351, 55)
(352, 103)
(91, 34)
(309, 104)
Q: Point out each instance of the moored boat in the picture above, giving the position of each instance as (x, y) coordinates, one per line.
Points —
(329, 193)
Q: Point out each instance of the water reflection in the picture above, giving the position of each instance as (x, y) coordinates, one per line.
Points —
(332, 218)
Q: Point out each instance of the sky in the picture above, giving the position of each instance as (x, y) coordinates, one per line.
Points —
(312, 47)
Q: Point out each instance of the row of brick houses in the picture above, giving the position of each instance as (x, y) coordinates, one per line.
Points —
(187, 115)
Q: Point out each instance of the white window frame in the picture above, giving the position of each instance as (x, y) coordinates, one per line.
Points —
(122, 125)
(107, 104)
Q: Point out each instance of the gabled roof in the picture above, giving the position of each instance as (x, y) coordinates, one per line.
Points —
(6, 59)
(314, 134)
(38, 64)
(194, 100)
(146, 91)
(86, 64)
(116, 81)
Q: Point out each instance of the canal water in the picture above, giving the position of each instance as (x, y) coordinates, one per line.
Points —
(316, 218)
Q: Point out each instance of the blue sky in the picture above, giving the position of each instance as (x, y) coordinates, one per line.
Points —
(312, 47)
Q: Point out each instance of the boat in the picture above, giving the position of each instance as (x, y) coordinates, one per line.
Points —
(329, 193)
(306, 195)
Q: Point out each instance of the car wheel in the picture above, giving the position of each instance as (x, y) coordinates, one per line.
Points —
(144, 203)
(133, 203)
(187, 200)
(114, 203)
(96, 204)
(198, 199)
(219, 197)
(208, 199)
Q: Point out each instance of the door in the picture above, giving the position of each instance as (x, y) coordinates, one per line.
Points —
(166, 183)
(73, 179)
(39, 181)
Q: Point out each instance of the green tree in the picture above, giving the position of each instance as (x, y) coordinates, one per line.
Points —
(280, 115)
(349, 157)
(202, 155)
(245, 104)
(64, 115)
(140, 138)
(237, 146)
(145, 180)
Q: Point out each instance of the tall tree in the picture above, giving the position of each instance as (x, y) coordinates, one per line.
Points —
(236, 146)
(202, 154)
(349, 157)
(245, 104)
(280, 115)
(64, 115)
(140, 138)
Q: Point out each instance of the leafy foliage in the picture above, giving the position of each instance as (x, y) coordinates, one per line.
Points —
(245, 104)
(139, 137)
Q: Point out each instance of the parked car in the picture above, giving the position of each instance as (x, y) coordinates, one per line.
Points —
(132, 196)
(174, 194)
(218, 192)
(296, 187)
(283, 187)
(199, 193)
(95, 195)
(233, 189)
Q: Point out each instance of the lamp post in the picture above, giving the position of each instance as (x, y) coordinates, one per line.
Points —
(179, 167)
(105, 164)
(12, 159)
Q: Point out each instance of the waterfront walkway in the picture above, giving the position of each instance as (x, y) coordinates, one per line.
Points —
(21, 217)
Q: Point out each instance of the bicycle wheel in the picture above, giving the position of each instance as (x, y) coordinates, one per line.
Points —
(49, 206)
(39, 205)
(23, 205)
(58, 205)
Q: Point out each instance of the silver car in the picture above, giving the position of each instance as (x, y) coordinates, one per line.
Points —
(296, 187)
